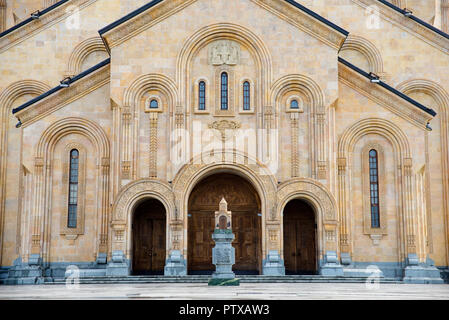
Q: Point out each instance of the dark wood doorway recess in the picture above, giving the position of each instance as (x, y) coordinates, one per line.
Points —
(299, 238)
(243, 202)
(149, 224)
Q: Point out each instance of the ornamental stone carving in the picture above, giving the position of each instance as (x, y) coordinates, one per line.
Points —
(312, 190)
(224, 52)
(225, 127)
(140, 189)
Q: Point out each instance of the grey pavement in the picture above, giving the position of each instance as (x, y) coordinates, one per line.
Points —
(258, 291)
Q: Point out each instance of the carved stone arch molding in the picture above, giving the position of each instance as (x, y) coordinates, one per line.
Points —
(152, 81)
(314, 100)
(132, 100)
(261, 179)
(126, 201)
(441, 97)
(307, 86)
(403, 177)
(223, 31)
(43, 176)
(80, 53)
(368, 50)
(324, 204)
(7, 98)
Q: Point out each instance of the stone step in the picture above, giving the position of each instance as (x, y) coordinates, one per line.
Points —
(205, 279)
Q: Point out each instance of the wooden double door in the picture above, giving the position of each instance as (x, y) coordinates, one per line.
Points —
(246, 223)
(149, 227)
(299, 238)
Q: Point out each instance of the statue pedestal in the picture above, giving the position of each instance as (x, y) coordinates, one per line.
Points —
(223, 257)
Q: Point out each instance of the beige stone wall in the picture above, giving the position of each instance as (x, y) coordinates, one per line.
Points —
(283, 60)
(47, 52)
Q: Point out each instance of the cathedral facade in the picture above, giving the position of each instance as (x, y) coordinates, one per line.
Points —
(323, 125)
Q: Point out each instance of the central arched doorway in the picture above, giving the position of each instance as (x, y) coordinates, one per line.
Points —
(300, 256)
(149, 224)
(244, 203)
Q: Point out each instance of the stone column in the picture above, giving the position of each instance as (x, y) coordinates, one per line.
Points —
(104, 207)
(153, 145)
(345, 243)
(321, 145)
(126, 143)
(294, 148)
(416, 271)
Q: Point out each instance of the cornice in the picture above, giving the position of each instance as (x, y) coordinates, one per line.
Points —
(411, 26)
(286, 11)
(45, 21)
(64, 97)
(130, 27)
(383, 97)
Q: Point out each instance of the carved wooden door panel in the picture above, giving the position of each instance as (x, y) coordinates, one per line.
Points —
(142, 245)
(201, 226)
(246, 243)
(243, 202)
(290, 245)
(299, 239)
(149, 244)
(305, 233)
(158, 246)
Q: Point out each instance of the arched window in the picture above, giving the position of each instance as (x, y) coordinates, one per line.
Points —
(294, 104)
(73, 189)
(154, 104)
(374, 188)
(202, 95)
(224, 91)
(246, 96)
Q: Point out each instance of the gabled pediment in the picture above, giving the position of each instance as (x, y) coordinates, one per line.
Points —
(287, 10)
(65, 93)
(384, 95)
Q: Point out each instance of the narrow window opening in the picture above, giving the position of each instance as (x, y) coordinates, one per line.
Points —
(224, 91)
(154, 104)
(73, 189)
(202, 96)
(294, 104)
(246, 96)
(374, 188)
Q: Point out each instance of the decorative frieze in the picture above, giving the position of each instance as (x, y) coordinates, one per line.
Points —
(225, 127)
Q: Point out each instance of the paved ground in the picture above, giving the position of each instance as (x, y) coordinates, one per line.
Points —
(286, 291)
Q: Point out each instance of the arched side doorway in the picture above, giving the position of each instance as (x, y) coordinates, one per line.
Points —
(300, 228)
(149, 237)
(244, 203)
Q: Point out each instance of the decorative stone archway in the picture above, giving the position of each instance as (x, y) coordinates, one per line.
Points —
(260, 178)
(325, 207)
(126, 201)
